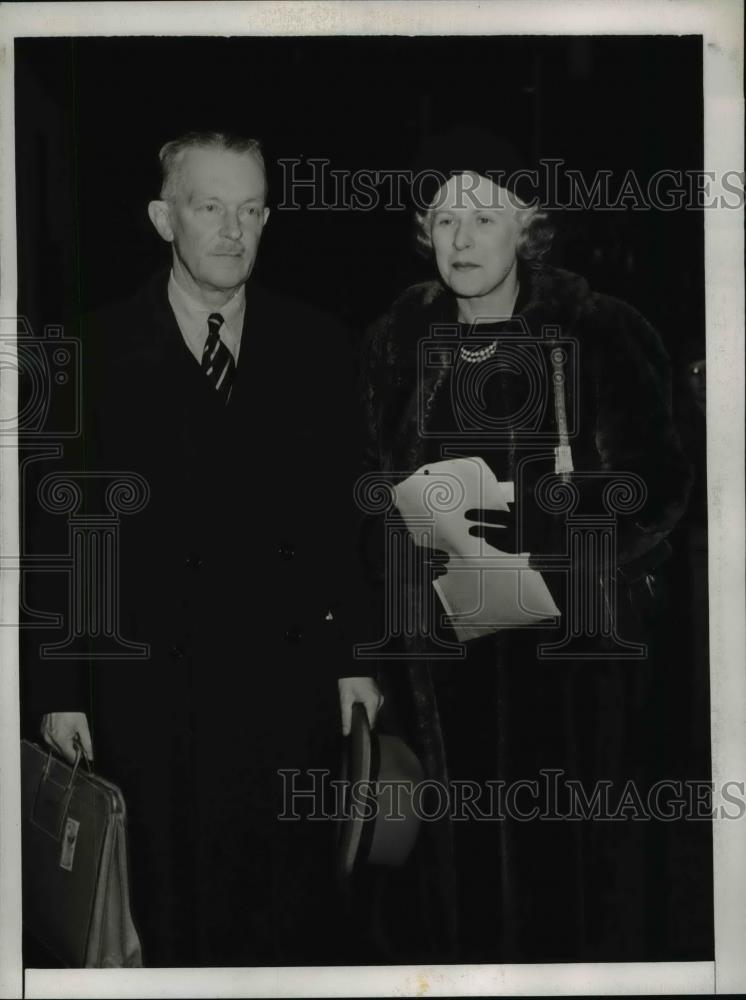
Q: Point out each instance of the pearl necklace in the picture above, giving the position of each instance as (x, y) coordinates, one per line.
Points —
(473, 357)
(488, 351)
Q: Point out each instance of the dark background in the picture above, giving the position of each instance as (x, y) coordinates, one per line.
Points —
(91, 115)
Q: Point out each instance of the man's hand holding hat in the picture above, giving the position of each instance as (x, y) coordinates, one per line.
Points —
(358, 689)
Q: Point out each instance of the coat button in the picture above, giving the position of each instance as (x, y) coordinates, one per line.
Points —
(293, 634)
(193, 561)
(285, 551)
(177, 652)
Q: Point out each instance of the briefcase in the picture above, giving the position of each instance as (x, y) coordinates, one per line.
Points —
(75, 886)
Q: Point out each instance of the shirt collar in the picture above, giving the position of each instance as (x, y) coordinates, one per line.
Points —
(192, 315)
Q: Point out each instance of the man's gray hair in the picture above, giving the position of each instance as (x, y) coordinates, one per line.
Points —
(172, 154)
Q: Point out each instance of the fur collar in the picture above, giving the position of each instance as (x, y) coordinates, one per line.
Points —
(554, 296)
(549, 297)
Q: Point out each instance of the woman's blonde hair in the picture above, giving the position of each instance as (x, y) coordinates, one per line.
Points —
(534, 238)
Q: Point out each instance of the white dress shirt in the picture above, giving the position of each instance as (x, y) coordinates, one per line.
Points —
(191, 317)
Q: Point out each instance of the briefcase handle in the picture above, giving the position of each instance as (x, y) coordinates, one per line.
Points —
(80, 754)
(52, 799)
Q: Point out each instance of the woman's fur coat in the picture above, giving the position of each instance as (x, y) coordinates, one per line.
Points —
(617, 388)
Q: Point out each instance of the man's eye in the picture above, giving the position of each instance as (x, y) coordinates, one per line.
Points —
(210, 207)
(485, 218)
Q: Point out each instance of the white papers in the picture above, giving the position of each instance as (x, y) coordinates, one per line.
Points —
(483, 589)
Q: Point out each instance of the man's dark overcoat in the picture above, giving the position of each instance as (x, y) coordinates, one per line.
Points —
(237, 575)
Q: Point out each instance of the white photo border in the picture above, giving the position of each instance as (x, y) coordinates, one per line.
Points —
(720, 24)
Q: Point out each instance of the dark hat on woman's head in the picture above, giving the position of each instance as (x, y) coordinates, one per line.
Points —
(469, 149)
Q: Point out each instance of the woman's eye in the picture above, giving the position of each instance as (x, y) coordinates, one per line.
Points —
(443, 222)
(485, 218)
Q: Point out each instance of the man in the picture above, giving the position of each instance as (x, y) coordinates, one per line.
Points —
(230, 402)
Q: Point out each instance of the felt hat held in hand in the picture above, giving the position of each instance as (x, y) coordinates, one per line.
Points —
(380, 775)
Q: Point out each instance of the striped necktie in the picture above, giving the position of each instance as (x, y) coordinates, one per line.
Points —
(217, 360)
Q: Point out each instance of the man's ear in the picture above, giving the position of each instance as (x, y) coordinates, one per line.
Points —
(266, 216)
(160, 216)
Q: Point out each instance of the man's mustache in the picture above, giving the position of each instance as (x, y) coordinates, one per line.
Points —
(235, 248)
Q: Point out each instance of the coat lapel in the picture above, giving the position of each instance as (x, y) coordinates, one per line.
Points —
(162, 350)
(555, 299)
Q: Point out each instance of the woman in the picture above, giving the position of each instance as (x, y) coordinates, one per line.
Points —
(468, 364)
